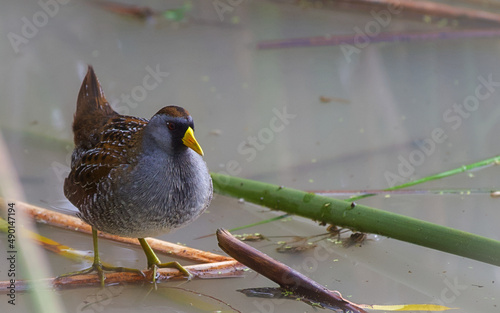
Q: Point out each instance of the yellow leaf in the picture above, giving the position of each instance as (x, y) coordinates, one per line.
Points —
(407, 307)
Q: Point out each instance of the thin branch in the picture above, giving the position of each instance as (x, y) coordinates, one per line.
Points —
(283, 275)
(426, 8)
(416, 192)
(52, 218)
(318, 41)
(208, 270)
(197, 294)
(484, 3)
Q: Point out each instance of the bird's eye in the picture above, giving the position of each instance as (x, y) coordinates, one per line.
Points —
(171, 126)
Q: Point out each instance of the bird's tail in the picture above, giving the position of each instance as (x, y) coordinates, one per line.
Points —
(92, 110)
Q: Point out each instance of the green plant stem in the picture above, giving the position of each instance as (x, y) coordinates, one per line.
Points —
(459, 170)
(360, 217)
(454, 171)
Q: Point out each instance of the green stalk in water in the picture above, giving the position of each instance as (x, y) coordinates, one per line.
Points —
(461, 169)
(360, 217)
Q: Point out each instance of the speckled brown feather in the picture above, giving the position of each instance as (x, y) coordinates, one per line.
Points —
(104, 140)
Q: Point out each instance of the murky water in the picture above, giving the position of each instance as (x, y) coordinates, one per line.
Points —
(267, 115)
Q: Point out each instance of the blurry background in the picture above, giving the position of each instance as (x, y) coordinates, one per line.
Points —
(298, 111)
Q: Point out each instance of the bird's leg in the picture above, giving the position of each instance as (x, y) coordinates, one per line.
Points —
(154, 263)
(97, 265)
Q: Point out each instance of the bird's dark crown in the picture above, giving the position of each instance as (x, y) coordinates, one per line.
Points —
(176, 121)
(174, 111)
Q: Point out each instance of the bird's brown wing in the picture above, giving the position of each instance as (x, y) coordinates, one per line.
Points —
(115, 148)
(102, 137)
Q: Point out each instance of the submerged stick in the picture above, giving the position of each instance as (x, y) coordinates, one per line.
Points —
(208, 270)
(57, 219)
(282, 274)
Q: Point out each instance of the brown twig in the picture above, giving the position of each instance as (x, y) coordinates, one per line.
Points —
(52, 218)
(483, 3)
(318, 41)
(142, 13)
(281, 274)
(209, 270)
(427, 8)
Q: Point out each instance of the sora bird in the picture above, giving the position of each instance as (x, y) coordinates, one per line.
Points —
(132, 177)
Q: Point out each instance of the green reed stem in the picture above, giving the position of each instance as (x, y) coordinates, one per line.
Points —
(455, 171)
(360, 217)
(461, 169)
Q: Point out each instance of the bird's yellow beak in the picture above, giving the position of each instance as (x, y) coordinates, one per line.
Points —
(189, 141)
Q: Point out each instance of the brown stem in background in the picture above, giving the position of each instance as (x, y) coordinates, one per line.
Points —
(209, 270)
(317, 41)
(52, 218)
(281, 274)
(483, 3)
(426, 8)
